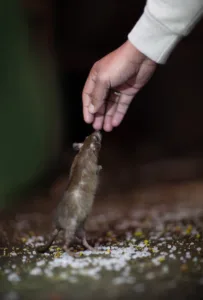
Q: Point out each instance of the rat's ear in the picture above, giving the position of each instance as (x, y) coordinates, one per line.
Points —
(77, 146)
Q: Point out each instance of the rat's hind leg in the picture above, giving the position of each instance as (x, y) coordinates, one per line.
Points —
(82, 236)
(86, 245)
(69, 236)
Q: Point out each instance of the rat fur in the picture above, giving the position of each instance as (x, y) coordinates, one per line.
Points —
(75, 206)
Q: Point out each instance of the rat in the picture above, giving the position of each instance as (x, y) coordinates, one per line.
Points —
(76, 204)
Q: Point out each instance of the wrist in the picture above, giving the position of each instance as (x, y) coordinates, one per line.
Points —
(136, 53)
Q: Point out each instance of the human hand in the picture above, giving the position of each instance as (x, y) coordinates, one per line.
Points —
(125, 70)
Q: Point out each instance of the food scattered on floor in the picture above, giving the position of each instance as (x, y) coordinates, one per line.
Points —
(135, 251)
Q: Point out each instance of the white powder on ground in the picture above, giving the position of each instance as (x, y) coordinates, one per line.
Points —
(13, 277)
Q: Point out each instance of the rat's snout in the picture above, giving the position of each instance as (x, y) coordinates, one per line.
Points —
(98, 135)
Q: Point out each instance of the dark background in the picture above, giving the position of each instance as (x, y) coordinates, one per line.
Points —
(160, 139)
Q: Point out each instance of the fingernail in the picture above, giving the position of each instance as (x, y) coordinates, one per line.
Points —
(96, 127)
(91, 109)
(108, 127)
(115, 122)
(88, 118)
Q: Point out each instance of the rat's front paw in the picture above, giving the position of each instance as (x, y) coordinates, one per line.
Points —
(99, 168)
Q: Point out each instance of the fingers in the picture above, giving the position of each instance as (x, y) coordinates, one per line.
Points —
(94, 94)
(121, 109)
(99, 94)
(117, 107)
(103, 118)
(110, 111)
(86, 97)
(95, 91)
(99, 118)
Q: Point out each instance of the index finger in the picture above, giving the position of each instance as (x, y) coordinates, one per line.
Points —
(99, 94)
(86, 97)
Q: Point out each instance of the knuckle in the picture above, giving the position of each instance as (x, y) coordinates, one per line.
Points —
(103, 78)
(99, 74)
(85, 95)
(95, 67)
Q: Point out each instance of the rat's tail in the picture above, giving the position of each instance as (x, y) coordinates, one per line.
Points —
(44, 248)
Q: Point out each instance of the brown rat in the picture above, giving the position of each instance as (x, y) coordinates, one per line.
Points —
(75, 206)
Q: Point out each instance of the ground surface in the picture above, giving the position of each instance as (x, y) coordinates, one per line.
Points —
(153, 251)
(148, 237)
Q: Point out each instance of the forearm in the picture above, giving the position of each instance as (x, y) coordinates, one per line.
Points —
(163, 24)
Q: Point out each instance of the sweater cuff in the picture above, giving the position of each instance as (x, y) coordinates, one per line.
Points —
(153, 39)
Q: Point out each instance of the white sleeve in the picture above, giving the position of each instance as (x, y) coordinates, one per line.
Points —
(163, 24)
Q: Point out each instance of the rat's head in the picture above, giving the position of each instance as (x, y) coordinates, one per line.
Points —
(91, 145)
(94, 142)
